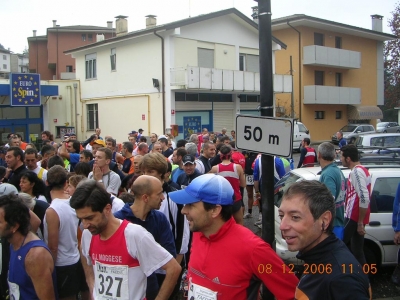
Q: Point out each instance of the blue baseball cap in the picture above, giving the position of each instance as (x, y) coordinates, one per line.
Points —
(209, 188)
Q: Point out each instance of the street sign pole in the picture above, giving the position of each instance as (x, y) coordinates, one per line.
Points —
(266, 106)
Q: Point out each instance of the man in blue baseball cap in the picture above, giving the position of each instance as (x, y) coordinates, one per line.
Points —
(227, 259)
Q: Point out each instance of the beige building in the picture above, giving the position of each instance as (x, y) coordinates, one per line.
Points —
(337, 72)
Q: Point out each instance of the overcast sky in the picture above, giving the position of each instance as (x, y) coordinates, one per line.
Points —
(20, 17)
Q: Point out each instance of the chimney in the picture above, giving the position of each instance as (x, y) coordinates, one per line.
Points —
(121, 25)
(377, 22)
(109, 24)
(255, 14)
(34, 32)
(151, 21)
(54, 23)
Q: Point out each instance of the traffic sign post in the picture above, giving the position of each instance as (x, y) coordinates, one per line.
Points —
(267, 135)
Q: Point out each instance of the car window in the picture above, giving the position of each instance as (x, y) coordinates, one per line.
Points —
(392, 141)
(359, 128)
(359, 141)
(383, 193)
(368, 128)
(348, 128)
(282, 185)
(302, 128)
(376, 141)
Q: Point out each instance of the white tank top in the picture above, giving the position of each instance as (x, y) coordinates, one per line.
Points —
(68, 253)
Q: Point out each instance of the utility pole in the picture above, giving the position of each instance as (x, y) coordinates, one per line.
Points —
(266, 107)
(292, 94)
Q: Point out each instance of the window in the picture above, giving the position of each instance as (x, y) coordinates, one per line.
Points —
(249, 98)
(83, 37)
(338, 79)
(318, 39)
(338, 114)
(205, 58)
(242, 62)
(249, 63)
(203, 97)
(319, 115)
(113, 59)
(382, 195)
(319, 77)
(4, 66)
(69, 69)
(92, 116)
(90, 37)
(338, 42)
(4, 57)
(90, 66)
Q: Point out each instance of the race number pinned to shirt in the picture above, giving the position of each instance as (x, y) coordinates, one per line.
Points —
(111, 281)
(249, 180)
(199, 292)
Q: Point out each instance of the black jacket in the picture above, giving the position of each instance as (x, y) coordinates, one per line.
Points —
(332, 272)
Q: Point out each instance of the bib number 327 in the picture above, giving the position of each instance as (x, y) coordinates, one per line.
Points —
(111, 281)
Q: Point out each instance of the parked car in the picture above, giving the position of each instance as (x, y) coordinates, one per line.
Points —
(379, 247)
(352, 131)
(300, 132)
(378, 140)
(384, 127)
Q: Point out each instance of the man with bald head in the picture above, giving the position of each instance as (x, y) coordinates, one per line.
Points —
(143, 211)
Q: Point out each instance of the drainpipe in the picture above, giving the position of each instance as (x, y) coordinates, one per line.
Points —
(75, 85)
(162, 77)
(300, 78)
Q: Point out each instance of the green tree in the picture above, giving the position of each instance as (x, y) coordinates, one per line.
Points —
(392, 62)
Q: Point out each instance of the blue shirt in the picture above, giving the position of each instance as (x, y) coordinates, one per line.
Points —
(17, 273)
(342, 142)
(175, 174)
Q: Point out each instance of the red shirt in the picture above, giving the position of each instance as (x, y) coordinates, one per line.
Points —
(234, 261)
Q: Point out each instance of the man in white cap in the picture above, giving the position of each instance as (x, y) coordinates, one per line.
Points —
(220, 265)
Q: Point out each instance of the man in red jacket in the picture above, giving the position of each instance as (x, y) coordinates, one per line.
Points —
(220, 266)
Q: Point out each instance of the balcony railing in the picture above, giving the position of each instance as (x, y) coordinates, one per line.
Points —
(331, 57)
(320, 94)
(197, 78)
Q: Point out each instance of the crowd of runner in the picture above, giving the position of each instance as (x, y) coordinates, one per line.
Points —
(107, 220)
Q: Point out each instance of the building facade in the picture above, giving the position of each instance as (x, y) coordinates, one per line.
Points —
(46, 53)
(195, 73)
(5, 63)
(337, 72)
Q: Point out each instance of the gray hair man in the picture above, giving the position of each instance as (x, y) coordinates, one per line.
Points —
(334, 180)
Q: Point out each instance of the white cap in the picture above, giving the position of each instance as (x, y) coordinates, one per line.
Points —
(8, 189)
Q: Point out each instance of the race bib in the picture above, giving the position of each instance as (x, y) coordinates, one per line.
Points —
(249, 180)
(13, 291)
(111, 282)
(199, 292)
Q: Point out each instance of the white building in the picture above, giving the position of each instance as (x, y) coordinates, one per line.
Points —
(197, 72)
(5, 63)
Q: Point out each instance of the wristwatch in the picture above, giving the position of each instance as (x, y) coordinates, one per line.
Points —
(101, 180)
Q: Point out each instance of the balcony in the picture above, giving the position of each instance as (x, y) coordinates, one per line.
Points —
(196, 78)
(319, 94)
(67, 75)
(331, 57)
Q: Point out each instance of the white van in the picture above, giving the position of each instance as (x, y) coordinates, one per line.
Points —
(299, 133)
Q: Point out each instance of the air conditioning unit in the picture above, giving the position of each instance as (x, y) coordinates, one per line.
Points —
(280, 109)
